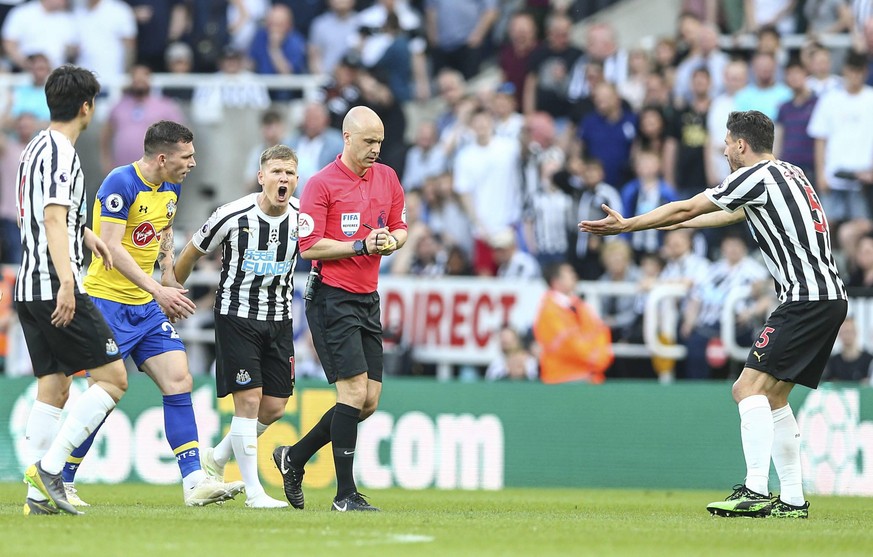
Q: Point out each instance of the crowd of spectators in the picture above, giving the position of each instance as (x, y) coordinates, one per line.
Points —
(497, 180)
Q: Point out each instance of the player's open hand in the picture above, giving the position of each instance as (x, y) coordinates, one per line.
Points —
(65, 305)
(612, 223)
(174, 303)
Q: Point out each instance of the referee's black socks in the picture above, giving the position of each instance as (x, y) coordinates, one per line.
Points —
(344, 435)
(317, 437)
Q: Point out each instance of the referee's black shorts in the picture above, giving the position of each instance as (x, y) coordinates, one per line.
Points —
(797, 340)
(347, 332)
(86, 343)
(251, 353)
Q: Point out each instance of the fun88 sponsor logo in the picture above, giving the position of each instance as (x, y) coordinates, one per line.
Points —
(263, 263)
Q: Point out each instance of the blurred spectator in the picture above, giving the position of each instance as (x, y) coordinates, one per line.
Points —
(687, 31)
(633, 89)
(372, 20)
(139, 108)
(179, 60)
(736, 77)
(107, 38)
(422, 256)
(277, 48)
(507, 120)
(207, 31)
(641, 195)
(683, 266)
(549, 215)
(821, 79)
(315, 142)
(329, 36)
(659, 94)
(853, 362)
(546, 84)
(445, 214)
(515, 55)
(779, 13)
(425, 159)
(30, 98)
(243, 19)
(652, 134)
(619, 312)
(842, 126)
(458, 32)
(583, 106)
(512, 263)
(764, 93)
(342, 92)
(458, 263)
(584, 181)
(861, 278)
(793, 143)
(575, 344)
(40, 26)
(159, 23)
(305, 12)
(488, 179)
(685, 154)
(11, 146)
(848, 235)
(233, 88)
(601, 48)
(273, 132)
(515, 362)
(377, 95)
(701, 320)
(706, 54)
(386, 53)
(608, 133)
(827, 16)
(770, 42)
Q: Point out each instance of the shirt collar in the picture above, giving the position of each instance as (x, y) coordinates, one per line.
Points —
(348, 172)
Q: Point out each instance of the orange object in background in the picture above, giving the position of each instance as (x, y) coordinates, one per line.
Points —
(576, 345)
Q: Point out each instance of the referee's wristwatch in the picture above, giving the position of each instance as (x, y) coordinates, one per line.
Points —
(360, 247)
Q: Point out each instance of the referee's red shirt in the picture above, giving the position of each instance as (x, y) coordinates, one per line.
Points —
(336, 204)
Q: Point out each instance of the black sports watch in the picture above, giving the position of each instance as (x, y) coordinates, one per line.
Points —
(360, 247)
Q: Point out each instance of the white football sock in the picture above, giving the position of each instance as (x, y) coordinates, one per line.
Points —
(223, 450)
(244, 437)
(262, 428)
(85, 416)
(756, 431)
(42, 427)
(786, 456)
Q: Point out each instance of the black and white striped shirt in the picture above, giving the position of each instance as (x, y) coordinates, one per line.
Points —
(259, 253)
(788, 223)
(49, 173)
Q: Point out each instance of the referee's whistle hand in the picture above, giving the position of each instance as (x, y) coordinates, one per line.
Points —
(377, 239)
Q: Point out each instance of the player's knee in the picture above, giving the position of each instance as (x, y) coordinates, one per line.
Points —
(270, 415)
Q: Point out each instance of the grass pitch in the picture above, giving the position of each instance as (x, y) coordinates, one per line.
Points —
(141, 520)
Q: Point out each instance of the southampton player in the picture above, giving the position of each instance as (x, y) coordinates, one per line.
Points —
(134, 215)
(254, 345)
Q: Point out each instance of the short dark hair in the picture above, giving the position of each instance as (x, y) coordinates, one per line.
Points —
(551, 272)
(69, 87)
(754, 127)
(271, 116)
(164, 135)
(855, 60)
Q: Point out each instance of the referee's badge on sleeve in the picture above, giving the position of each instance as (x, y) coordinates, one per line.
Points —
(305, 225)
(350, 223)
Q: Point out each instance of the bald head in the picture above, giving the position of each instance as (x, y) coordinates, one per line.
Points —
(361, 118)
(363, 134)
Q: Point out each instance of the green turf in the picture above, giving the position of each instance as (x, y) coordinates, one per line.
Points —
(139, 520)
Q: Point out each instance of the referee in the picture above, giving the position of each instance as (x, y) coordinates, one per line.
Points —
(351, 213)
